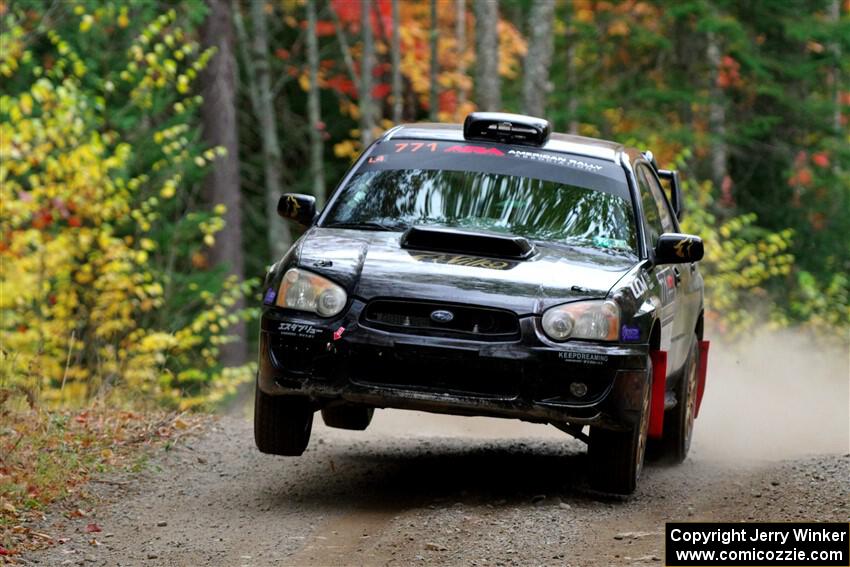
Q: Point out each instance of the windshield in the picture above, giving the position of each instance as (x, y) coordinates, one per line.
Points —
(533, 208)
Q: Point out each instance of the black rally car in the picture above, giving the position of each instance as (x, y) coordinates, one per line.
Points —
(491, 269)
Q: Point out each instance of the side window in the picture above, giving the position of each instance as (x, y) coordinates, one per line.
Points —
(660, 200)
(650, 207)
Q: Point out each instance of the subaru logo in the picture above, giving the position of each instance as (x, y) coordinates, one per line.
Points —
(442, 316)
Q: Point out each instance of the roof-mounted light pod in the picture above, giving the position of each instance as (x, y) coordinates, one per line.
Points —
(504, 127)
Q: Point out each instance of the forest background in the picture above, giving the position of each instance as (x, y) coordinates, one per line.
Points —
(143, 146)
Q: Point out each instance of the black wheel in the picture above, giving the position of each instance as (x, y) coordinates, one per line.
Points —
(616, 457)
(679, 421)
(348, 417)
(282, 424)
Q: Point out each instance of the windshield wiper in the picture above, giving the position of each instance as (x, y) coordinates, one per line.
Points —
(367, 225)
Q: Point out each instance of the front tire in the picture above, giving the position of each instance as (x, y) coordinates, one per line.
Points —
(282, 424)
(616, 457)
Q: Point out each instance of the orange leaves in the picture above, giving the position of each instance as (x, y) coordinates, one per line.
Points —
(38, 446)
(42, 220)
(341, 84)
(618, 28)
(512, 48)
(414, 30)
(324, 28)
(381, 91)
(728, 74)
(804, 181)
(804, 177)
(348, 11)
(817, 220)
(821, 159)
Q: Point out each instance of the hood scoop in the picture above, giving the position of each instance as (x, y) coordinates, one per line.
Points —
(466, 242)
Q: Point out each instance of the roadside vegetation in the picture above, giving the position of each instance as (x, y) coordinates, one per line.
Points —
(49, 456)
(141, 154)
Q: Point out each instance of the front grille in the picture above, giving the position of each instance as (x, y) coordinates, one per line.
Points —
(452, 371)
(416, 318)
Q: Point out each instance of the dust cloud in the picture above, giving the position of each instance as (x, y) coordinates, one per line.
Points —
(777, 395)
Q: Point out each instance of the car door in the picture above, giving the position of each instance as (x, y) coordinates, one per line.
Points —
(676, 277)
(661, 277)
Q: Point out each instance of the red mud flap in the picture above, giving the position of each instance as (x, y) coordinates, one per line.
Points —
(656, 401)
(703, 368)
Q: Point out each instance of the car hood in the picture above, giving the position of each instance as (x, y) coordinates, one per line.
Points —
(373, 264)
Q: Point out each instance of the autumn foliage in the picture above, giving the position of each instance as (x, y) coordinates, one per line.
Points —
(98, 233)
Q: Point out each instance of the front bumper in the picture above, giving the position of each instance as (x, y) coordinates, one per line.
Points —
(528, 378)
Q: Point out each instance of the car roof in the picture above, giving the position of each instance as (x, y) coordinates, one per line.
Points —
(563, 143)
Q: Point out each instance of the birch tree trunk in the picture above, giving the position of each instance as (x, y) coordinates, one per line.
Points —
(367, 112)
(460, 34)
(398, 101)
(314, 110)
(716, 116)
(433, 101)
(536, 86)
(488, 84)
(278, 235)
(220, 128)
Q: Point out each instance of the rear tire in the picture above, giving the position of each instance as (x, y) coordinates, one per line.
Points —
(282, 424)
(356, 418)
(679, 421)
(616, 457)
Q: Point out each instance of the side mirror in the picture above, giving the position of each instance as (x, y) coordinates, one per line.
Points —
(676, 201)
(675, 248)
(297, 207)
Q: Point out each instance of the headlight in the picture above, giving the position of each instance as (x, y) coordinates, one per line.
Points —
(306, 291)
(597, 320)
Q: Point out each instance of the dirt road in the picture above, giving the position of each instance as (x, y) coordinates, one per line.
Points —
(421, 489)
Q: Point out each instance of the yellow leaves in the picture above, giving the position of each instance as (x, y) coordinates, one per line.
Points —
(86, 23)
(349, 108)
(618, 28)
(25, 104)
(74, 243)
(584, 15)
(512, 48)
(123, 20)
(84, 278)
(304, 81)
(346, 149)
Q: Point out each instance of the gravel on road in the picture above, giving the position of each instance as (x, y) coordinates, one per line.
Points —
(421, 489)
